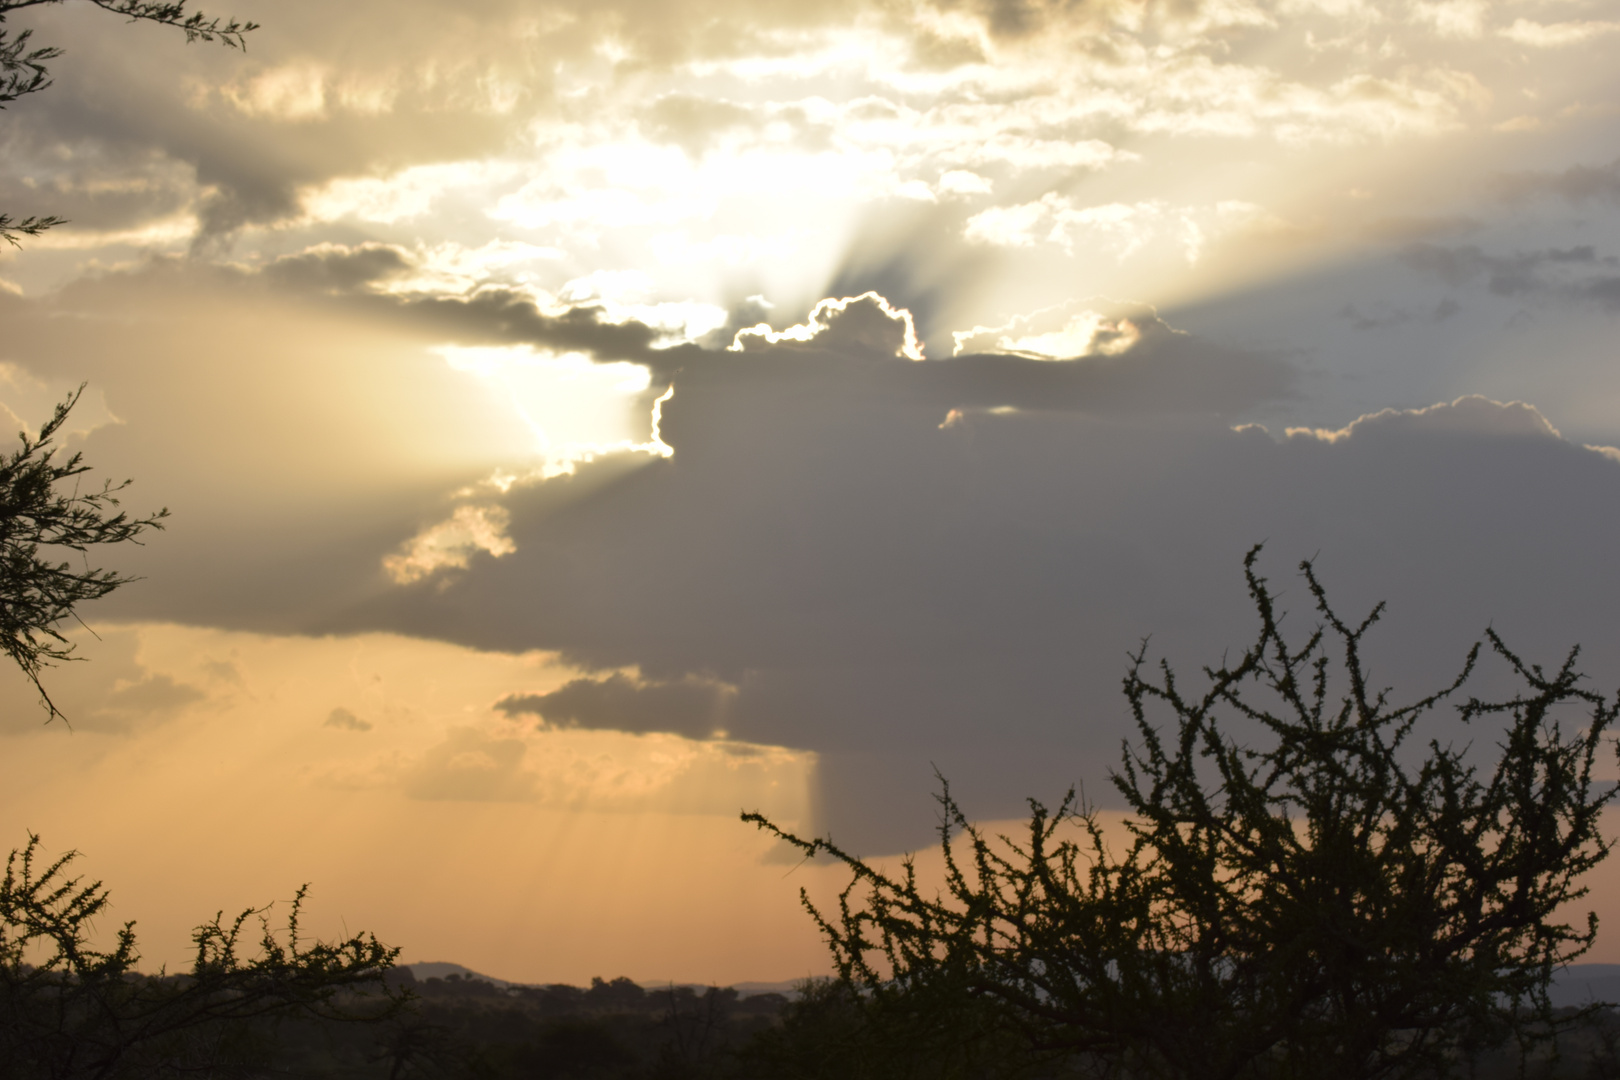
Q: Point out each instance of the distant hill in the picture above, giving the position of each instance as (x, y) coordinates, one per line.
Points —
(1579, 984)
(438, 969)
(1576, 985)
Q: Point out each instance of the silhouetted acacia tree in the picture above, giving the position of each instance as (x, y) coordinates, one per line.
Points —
(45, 513)
(1341, 901)
(69, 1010)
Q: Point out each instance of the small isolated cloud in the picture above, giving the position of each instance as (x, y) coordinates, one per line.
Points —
(451, 544)
(345, 720)
(472, 766)
(692, 706)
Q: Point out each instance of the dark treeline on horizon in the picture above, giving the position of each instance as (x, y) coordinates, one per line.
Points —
(467, 1028)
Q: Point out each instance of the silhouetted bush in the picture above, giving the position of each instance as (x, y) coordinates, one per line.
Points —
(1338, 902)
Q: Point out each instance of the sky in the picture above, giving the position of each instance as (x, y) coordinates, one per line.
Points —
(584, 422)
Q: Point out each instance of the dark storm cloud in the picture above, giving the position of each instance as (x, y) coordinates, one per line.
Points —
(891, 573)
(895, 589)
(692, 706)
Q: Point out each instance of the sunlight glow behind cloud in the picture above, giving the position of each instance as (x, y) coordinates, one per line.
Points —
(573, 407)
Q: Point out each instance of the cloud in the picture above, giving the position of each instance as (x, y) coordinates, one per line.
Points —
(1556, 35)
(1473, 415)
(692, 706)
(888, 585)
(1098, 326)
(894, 562)
(1573, 275)
(334, 268)
(865, 325)
(113, 693)
(593, 120)
(451, 544)
(1578, 184)
(1121, 229)
(697, 123)
(345, 720)
(1385, 316)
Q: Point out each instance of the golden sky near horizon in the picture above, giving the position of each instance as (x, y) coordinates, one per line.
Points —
(582, 422)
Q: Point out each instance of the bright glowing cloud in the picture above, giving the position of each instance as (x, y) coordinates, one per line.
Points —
(855, 323)
(451, 543)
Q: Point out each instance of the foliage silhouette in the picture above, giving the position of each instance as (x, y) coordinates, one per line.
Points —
(1336, 903)
(76, 1011)
(42, 506)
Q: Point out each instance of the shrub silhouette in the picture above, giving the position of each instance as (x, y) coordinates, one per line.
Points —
(1340, 901)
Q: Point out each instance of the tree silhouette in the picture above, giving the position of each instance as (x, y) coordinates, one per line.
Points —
(69, 1010)
(1341, 901)
(44, 512)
